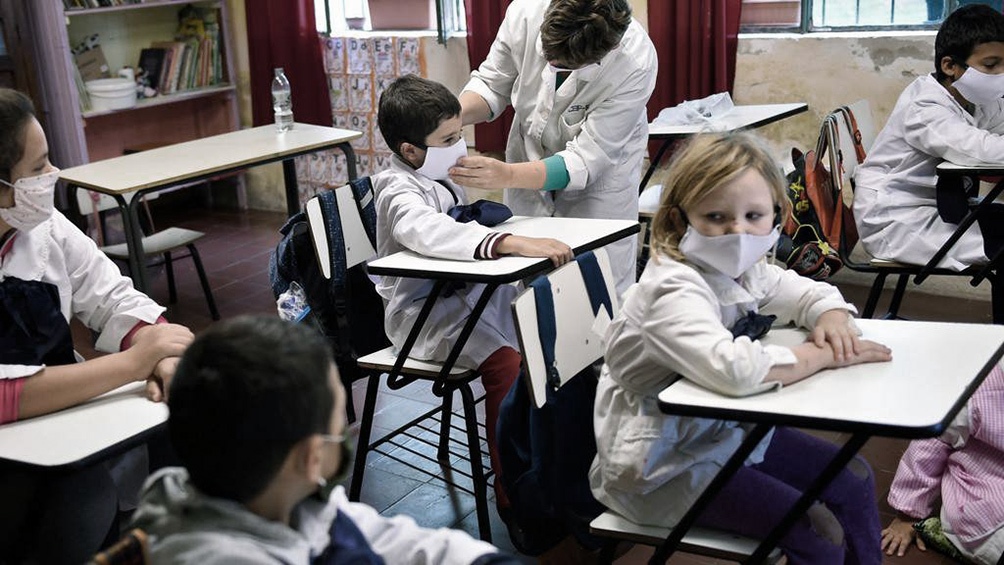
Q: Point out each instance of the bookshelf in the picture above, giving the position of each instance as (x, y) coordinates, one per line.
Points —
(125, 28)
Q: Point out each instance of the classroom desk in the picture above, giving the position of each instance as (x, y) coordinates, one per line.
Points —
(936, 367)
(129, 176)
(86, 433)
(581, 234)
(742, 116)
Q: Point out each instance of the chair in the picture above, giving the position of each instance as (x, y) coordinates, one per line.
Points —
(576, 347)
(163, 243)
(839, 127)
(437, 423)
(132, 549)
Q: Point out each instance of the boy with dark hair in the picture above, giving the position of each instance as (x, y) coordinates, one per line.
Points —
(258, 419)
(955, 114)
(420, 120)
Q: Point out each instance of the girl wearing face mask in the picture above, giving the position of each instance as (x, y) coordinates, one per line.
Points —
(50, 271)
(955, 114)
(694, 314)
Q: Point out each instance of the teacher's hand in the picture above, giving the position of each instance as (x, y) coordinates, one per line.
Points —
(482, 172)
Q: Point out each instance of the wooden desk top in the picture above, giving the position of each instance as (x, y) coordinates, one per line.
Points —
(174, 164)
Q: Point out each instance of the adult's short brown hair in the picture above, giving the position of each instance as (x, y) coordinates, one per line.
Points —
(580, 32)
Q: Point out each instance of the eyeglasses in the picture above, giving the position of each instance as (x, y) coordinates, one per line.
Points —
(328, 438)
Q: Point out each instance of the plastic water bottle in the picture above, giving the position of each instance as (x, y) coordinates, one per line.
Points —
(282, 101)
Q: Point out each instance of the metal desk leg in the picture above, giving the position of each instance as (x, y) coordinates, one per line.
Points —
(465, 334)
(737, 460)
(134, 241)
(350, 159)
(808, 497)
(292, 190)
(963, 226)
(654, 164)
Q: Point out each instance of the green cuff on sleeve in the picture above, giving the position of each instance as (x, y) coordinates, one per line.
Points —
(556, 173)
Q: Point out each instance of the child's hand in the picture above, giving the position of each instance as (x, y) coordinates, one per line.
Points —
(152, 343)
(482, 172)
(836, 328)
(159, 382)
(896, 538)
(867, 352)
(558, 252)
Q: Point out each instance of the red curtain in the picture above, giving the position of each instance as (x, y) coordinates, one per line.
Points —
(696, 41)
(283, 33)
(483, 20)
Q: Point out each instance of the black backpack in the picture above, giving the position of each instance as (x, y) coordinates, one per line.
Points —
(546, 452)
(345, 308)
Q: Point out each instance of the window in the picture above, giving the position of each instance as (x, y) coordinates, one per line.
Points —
(825, 15)
(443, 16)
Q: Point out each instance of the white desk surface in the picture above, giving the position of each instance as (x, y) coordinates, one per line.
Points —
(581, 234)
(947, 167)
(173, 164)
(935, 368)
(741, 116)
(75, 434)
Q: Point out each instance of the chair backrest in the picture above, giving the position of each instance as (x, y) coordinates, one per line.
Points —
(853, 132)
(88, 199)
(350, 201)
(579, 342)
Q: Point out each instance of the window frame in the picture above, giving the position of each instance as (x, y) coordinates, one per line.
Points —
(447, 12)
(805, 25)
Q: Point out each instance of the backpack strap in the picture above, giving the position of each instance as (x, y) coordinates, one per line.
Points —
(852, 125)
(337, 286)
(596, 288)
(362, 190)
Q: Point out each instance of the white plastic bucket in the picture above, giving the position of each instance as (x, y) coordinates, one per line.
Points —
(111, 93)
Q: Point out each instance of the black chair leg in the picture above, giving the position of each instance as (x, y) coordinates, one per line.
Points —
(172, 291)
(873, 295)
(350, 405)
(897, 297)
(443, 454)
(363, 443)
(477, 465)
(213, 312)
(996, 297)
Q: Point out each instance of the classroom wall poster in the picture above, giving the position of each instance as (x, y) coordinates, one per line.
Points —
(358, 70)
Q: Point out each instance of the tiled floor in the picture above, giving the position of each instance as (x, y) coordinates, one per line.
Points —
(236, 251)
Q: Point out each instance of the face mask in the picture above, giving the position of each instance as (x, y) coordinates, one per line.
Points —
(344, 466)
(731, 255)
(33, 201)
(979, 87)
(586, 72)
(438, 160)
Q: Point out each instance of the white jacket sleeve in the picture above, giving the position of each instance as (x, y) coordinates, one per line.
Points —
(400, 540)
(423, 229)
(797, 299)
(493, 80)
(933, 129)
(103, 299)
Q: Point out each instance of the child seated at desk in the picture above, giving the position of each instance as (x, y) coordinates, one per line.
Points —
(964, 470)
(955, 114)
(50, 271)
(420, 121)
(258, 420)
(695, 314)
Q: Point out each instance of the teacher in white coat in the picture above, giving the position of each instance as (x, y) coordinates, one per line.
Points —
(578, 74)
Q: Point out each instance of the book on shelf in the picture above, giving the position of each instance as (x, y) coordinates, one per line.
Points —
(151, 63)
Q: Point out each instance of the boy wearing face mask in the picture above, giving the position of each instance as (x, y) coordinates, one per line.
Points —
(696, 313)
(50, 271)
(420, 121)
(258, 420)
(955, 114)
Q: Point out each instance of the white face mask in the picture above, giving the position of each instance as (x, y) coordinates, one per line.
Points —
(732, 254)
(33, 201)
(438, 160)
(980, 88)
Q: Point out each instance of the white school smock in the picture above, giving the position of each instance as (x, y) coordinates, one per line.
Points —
(91, 287)
(895, 205)
(411, 214)
(650, 467)
(597, 124)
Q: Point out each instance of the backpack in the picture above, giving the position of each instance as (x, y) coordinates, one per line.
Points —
(349, 295)
(546, 452)
(820, 221)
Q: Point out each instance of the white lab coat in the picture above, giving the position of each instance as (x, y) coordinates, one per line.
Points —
(651, 467)
(895, 204)
(91, 287)
(599, 126)
(411, 214)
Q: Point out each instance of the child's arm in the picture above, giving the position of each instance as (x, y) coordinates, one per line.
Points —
(558, 252)
(936, 130)
(812, 358)
(915, 491)
(58, 387)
